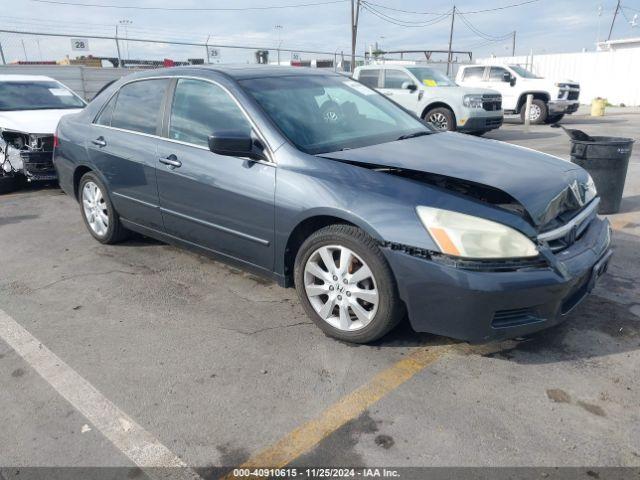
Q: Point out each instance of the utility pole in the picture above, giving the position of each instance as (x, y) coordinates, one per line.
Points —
(513, 46)
(615, 14)
(449, 57)
(355, 13)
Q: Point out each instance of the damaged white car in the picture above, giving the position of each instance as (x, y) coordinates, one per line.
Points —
(30, 108)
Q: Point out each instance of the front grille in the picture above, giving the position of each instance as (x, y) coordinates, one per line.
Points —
(573, 96)
(568, 233)
(492, 103)
(514, 317)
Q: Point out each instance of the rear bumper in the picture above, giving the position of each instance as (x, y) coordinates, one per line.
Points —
(480, 306)
(563, 106)
(479, 124)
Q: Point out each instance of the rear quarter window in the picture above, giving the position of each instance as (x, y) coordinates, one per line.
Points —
(473, 73)
(369, 78)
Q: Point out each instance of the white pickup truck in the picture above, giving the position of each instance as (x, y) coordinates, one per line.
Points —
(551, 100)
(436, 98)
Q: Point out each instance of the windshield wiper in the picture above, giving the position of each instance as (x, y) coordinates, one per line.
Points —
(413, 135)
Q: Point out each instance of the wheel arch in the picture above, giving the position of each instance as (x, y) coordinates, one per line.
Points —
(438, 104)
(537, 95)
(310, 224)
(77, 175)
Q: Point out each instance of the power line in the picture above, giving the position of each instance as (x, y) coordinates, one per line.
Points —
(502, 8)
(189, 9)
(400, 22)
(458, 10)
(481, 34)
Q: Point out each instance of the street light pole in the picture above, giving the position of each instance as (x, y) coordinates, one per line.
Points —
(355, 13)
(279, 29)
(453, 17)
(513, 46)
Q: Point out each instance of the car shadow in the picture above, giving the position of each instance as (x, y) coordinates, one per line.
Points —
(630, 204)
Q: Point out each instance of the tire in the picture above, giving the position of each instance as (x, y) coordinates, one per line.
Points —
(538, 106)
(111, 232)
(555, 118)
(9, 183)
(381, 314)
(441, 119)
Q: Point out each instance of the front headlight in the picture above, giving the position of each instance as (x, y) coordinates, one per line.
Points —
(472, 101)
(462, 235)
(590, 191)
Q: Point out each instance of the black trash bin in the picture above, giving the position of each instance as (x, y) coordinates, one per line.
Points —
(606, 159)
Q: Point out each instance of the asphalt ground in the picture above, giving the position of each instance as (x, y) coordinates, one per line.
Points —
(146, 355)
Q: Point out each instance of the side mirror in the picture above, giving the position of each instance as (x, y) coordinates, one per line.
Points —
(512, 81)
(234, 143)
(409, 86)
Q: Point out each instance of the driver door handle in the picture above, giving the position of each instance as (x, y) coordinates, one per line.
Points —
(171, 160)
(100, 141)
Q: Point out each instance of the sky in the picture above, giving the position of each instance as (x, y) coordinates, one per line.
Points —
(544, 26)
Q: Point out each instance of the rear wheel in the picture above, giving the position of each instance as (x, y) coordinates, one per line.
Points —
(537, 113)
(346, 286)
(441, 119)
(98, 213)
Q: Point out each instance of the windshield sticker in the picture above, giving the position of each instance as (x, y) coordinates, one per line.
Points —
(358, 87)
(60, 92)
(429, 82)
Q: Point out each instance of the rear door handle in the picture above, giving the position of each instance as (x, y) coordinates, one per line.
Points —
(100, 141)
(171, 160)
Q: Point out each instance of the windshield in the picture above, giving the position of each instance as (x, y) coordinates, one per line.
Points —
(431, 77)
(321, 114)
(523, 72)
(30, 95)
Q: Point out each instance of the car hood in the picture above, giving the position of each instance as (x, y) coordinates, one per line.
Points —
(541, 183)
(34, 121)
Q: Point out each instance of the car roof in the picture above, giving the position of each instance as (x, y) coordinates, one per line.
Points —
(26, 78)
(237, 72)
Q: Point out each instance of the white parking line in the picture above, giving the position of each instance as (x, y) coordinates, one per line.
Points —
(130, 438)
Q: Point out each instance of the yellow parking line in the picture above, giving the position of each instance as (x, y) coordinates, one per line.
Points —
(304, 438)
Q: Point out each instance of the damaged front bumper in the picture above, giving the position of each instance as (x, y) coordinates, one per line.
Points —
(481, 306)
(28, 155)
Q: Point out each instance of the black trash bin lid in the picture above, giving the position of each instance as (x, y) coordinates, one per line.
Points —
(606, 141)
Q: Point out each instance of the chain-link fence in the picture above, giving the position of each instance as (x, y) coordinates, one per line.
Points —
(18, 47)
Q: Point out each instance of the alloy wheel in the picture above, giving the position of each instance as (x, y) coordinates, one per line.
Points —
(95, 208)
(534, 112)
(341, 288)
(439, 121)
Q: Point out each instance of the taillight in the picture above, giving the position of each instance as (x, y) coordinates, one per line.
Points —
(55, 140)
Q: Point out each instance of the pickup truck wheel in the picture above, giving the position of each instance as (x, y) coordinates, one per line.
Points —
(346, 285)
(441, 119)
(555, 118)
(97, 211)
(537, 113)
(8, 183)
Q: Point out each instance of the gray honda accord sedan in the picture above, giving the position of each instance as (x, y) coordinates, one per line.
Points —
(319, 182)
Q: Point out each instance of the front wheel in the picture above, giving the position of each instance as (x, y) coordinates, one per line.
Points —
(441, 119)
(537, 113)
(346, 285)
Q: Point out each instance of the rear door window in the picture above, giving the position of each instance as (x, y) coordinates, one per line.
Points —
(496, 74)
(139, 106)
(473, 73)
(201, 108)
(369, 77)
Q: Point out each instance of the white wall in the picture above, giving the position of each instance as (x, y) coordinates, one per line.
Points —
(85, 81)
(613, 75)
